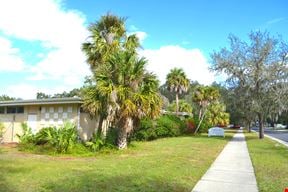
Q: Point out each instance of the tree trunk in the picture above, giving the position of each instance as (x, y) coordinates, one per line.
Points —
(122, 139)
(249, 126)
(125, 126)
(261, 128)
(200, 122)
(177, 104)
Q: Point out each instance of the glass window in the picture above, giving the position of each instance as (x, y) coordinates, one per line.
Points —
(2, 110)
(11, 109)
(19, 109)
(15, 109)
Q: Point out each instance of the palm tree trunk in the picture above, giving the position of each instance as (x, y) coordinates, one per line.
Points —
(124, 127)
(200, 122)
(177, 104)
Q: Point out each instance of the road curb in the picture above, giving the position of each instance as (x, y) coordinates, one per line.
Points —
(275, 139)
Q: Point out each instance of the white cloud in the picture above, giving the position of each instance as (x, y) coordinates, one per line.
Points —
(9, 59)
(192, 61)
(55, 27)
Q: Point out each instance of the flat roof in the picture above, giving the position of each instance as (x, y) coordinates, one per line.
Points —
(50, 101)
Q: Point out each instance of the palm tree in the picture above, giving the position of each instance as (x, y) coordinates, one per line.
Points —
(131, 91)
(204, 96)
(122, 91)
(105, 38)
(216, 114)
(177, 82)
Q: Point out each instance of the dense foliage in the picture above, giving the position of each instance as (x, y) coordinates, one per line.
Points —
(121, 90)
(164, 126)
(257, 74)
(61, 139)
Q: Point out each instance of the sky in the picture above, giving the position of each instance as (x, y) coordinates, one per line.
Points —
(40, 40)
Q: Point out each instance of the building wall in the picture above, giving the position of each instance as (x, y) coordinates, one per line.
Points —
(47, 116)
(12, 126)
(88, 126)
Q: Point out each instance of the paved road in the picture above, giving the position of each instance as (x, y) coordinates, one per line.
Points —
(282, 135)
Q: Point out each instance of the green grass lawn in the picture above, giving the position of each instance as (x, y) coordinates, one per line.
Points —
(170, 164)
(270, 161)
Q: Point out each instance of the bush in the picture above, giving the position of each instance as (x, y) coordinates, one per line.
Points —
(27, 136)
(146, 130)
(190, 125)
(46, 135)
(62, 139)
(205, 125)
(96, 142)
(111, 137)
(165, 126)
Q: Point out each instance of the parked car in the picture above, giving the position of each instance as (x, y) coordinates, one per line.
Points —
(236, 126)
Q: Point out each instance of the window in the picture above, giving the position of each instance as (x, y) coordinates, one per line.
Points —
(60, 109)
(51, 109)
(69, 109)
(15, 109)
(55, 115)
(47, 115)
(2, 110)
(64, 115)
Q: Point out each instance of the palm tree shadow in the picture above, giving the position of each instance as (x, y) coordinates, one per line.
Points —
(99, 182)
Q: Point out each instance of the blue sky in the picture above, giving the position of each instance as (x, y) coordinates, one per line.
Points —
(40, 40)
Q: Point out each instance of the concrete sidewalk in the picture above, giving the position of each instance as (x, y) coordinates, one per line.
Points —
(232, 171)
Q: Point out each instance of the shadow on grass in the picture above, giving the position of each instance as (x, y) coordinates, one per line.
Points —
(5, 171)
(100, 182)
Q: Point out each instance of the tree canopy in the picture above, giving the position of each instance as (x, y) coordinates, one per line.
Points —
(178, 83)
(121, 90)
(257, 73)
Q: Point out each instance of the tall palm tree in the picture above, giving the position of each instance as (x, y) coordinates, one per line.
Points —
(122, 91)
(107, 37)
(204, 96)
(177, 82)
(133, 90)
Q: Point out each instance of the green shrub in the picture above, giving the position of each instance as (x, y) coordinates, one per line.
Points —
(146, 130)
(96, 142)
(111, 137)
(27, 136)
(165, 126)
(190, 125)
(62, 139)
(46, 135)
(65, 137)
(205, 125)
(169, 126)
